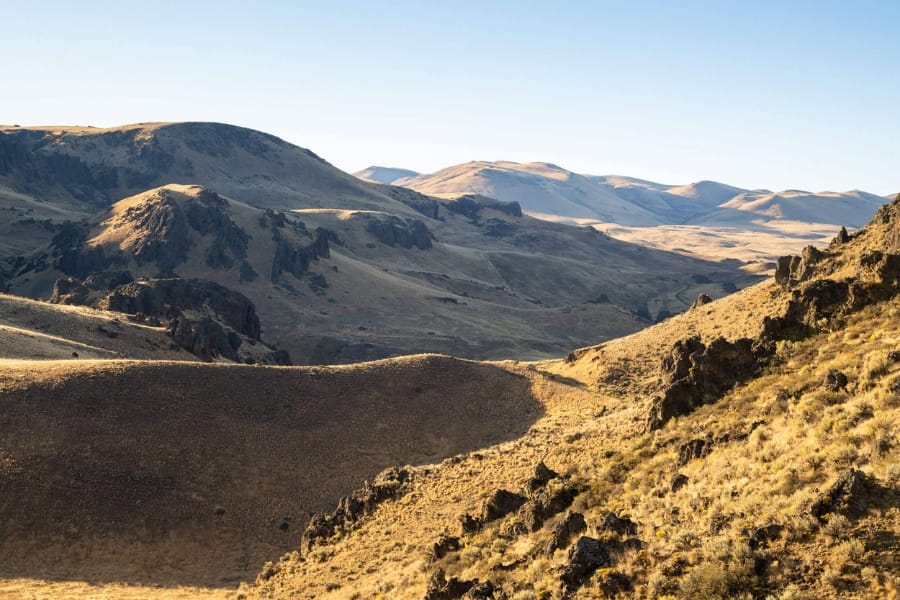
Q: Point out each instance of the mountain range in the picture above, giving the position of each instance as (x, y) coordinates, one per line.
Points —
(705, 218)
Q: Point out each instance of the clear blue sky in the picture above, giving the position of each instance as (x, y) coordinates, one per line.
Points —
(802, 94)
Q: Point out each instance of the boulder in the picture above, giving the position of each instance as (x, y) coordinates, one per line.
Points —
(571, 525)
(701, 300)
(499, 504)
(762, 536)
(585, 557)
(835, 380)
(678, 482)
(849, 494)
(444, 546)
(612, 523)
(441, 588)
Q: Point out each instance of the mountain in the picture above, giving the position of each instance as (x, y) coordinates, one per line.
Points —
(384, 174)
(540, 188)
(707, 219)
(335, 269)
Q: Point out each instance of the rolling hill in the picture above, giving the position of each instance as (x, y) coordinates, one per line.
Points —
(337, 269)
(384, 174)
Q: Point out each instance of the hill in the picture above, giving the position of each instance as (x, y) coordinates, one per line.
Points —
(166, 474)
(336, 269)
(746, 448)
(384, 174)
(704, 219)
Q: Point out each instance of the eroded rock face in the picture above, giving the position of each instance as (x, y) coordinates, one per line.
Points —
(394, 231)
(791, 270)
(696, 374)
(165, 297)
(388, 484)
(295, 259)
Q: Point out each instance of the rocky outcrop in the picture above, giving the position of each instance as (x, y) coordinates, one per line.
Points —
(471, 205)
(568, 527)
(394, 231)
(499, 504)
(387, 485)
(441, 588)
(69, 253)
(444, 546)
(204, 338)
(547, 494)
(421, 203)
(166, 298)
(295, 259)
(585, 557)
(696, 374)
(69, 290)
(791, 270)
(613, 523)
(849, 494)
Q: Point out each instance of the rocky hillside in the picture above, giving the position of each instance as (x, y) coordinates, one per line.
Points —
(335, 269)
(745, 449)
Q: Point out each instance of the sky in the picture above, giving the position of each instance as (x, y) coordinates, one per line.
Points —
(782, 94)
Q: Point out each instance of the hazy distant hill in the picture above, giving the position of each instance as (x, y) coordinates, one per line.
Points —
(547, 189)
(337, 269)
(705, 218)
(384, 174)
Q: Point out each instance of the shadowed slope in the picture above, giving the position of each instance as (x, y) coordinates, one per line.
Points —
(182, 474)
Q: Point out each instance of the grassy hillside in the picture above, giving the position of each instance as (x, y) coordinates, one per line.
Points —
(172, 474)
(774, 478)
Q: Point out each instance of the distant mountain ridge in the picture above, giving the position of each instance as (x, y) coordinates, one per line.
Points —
(548, 190)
